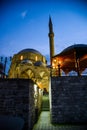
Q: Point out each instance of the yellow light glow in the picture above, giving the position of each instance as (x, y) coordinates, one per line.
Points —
(54, 60)
(36, 58)
(53, 67)
(59, 62)
(21, 58)
(53, 64)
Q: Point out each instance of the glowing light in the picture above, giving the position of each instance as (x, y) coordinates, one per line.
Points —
(35, 87)
(53, 64)
(59, 62)
(54, 60)
(21, 58)
(36, 58)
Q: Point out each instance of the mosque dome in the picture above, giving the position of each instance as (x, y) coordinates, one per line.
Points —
(28, 55)
(29, 50)
(30, 64)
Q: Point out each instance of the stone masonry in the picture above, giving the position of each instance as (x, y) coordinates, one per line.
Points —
(69, 100)
(17, 99)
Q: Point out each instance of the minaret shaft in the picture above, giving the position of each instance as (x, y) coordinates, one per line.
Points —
(51, 40)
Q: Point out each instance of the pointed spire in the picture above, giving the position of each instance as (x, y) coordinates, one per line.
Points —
(51, 39)
(50, 25)
(50, 21)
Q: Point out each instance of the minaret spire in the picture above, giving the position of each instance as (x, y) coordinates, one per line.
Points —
(51, 39)
(50, 25)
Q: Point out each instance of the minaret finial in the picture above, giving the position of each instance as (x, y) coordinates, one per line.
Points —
(50, 25)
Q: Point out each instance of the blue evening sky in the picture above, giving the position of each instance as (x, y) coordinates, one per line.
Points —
(24, 24)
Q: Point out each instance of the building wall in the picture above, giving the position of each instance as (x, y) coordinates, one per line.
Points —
(17, 99)
(69, 99)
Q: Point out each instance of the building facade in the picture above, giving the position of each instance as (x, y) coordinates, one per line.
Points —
(30, 64)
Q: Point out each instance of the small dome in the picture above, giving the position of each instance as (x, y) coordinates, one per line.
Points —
(29, 50)
(38, 63)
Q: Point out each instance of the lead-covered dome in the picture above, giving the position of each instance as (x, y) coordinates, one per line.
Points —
(29, 50)
(28, 54)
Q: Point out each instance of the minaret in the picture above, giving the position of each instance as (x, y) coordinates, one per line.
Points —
(51, 39)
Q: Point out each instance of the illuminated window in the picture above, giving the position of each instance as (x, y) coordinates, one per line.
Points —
(21, 58)
(36, 58)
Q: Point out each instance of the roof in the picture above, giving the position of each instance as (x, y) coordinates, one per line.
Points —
(80, 49)
(29, 50)
(72, 54)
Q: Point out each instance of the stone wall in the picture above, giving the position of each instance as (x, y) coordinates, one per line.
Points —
(69, 100)
(17, 99)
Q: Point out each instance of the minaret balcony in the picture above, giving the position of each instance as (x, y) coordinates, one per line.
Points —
(51, 34)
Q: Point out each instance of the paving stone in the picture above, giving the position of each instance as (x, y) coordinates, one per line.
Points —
(45, 124)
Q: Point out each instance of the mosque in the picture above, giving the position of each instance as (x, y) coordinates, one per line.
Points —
(30, 63)
(22, 93)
